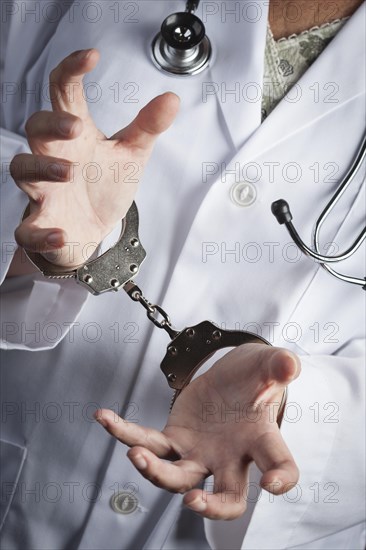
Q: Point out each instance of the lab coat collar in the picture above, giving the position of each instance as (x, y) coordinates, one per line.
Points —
(335, 78)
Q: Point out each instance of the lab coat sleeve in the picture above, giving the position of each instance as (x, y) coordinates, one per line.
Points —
(323, 426)
(325, 413)
(36, 313)
(324, 421)
(30, 305)
(13, 200)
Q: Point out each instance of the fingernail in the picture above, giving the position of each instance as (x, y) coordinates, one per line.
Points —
(101, 421)
(140, 462)
(273, 486)
(83, 54)
(54, 239)
(197, 504)
(56, 171)
(65, 126)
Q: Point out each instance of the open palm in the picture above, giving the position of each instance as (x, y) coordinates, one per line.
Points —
(220, 423)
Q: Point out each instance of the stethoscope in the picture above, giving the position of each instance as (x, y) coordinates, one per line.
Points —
(181, 48)
(282, 212)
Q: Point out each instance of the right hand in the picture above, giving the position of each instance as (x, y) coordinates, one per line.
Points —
(67, 205)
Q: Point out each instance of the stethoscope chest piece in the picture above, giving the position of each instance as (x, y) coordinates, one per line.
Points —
(181, 47)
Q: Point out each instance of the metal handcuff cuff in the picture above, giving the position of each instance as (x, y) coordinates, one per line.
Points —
(189, 348)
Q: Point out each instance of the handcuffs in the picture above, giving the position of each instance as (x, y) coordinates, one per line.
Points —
(189, 348)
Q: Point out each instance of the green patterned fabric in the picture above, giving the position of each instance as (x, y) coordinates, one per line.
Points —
(287, 59)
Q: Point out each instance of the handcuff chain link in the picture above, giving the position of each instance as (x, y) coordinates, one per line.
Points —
(160, 324)
(151, 309)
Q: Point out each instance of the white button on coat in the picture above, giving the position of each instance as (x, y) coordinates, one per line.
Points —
(124, 502)
(243, 193)
(105, 355)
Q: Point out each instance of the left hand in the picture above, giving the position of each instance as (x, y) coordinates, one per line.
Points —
(221, 421)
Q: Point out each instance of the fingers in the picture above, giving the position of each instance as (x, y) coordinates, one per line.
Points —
(132, 434)
(46, 126)
(39, 240)
(66, 82)
(152, 120)
(178, 477)
(147, 446)
(218, 505)
(33, 175)
(227, 500)
(28, 170)
(275, 461)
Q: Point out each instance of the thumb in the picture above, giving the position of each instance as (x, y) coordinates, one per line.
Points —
(152, 120)
(284, 366)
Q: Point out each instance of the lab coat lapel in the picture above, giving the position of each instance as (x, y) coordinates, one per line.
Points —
(239, 38)
(337, 76)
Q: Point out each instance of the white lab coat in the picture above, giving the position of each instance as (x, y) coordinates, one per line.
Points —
(208, 258)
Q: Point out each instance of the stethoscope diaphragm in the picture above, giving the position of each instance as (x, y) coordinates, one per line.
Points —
(181, 47)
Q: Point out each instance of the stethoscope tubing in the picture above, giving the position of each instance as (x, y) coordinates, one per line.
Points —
(283, 214)
(352, 171)
(179, 52)
(341, 189)
(320, 257)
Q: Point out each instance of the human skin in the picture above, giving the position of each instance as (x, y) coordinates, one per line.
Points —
(288, 17)
(66, 206)
(201, 438)
(80, 139)
(253, 375)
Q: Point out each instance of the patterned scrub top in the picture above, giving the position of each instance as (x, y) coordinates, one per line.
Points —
(287, 59)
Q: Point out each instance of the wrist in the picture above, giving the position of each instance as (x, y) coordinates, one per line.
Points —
(109, 271)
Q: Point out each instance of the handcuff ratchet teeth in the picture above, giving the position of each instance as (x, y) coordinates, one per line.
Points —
(189, 348)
